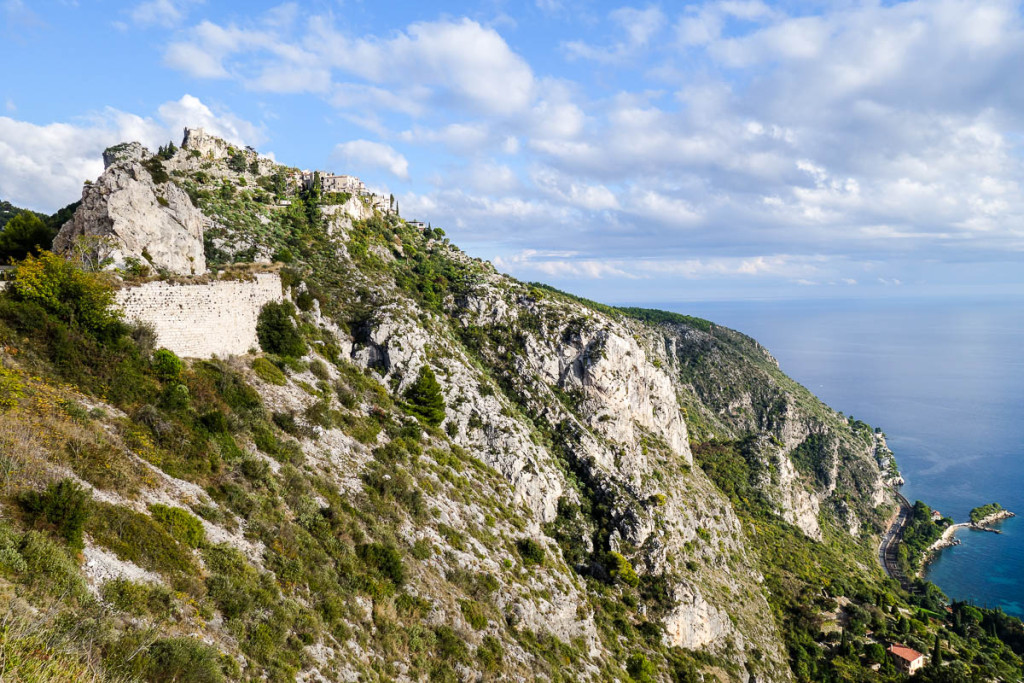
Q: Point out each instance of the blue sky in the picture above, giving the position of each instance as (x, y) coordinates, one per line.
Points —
(733, 149)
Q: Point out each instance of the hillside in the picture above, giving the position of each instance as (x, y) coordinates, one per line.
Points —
(427, 470)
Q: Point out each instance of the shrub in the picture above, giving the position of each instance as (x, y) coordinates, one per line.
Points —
(48, 567)
(319, 370)
(474, 613)
(490, 653)
(531, 551)
(65, 505)
(167, 365)
(137, 598)
(11, 388)
(425, 399)
(276, 330)
(182, 525)
(71, 294)
(622, 570)
(641, 669)
(268, 372)
(138, 538)
(304, 301)
(183, 659)
(385, 560)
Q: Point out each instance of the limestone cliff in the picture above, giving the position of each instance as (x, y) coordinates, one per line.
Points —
(140, 214)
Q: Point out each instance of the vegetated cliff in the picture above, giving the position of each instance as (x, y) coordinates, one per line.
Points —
(608, 493)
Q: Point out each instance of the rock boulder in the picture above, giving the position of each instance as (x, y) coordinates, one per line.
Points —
(141, 218)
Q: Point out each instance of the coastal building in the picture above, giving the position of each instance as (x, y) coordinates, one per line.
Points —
(936, 515)
(907, 659)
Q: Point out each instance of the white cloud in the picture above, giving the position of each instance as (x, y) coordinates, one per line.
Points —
(465, 138)
(440, 63)
(638, 27)
(166, 13)
(365, 153)
(43, 166)
(190, 111)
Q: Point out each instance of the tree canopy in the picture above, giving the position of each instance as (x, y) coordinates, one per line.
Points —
(24, 234)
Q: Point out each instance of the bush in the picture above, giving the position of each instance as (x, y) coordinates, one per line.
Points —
(531, 551)
(167, 365)
(268, 372)
(276, 330)
(137, 598)
(385, 560)
(424, 397)
(65, 505)
(641, 669)
(69, 293)
(304, 301)
(138, 538)
(622, 570)
(183, 659)
(490, 653)
(182, 525)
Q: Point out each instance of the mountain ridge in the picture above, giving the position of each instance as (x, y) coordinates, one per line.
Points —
(609, 493)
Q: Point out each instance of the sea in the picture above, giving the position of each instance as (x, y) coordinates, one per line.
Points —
(944, 379)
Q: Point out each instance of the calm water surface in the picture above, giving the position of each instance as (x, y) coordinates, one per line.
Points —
(945, 381)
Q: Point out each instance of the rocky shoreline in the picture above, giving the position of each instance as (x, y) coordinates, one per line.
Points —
(949, 539)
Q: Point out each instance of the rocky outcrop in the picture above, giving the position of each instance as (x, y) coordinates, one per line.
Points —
(206, 145)
(137, 217)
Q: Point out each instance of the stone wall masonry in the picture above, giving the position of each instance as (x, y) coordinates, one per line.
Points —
(200, 321)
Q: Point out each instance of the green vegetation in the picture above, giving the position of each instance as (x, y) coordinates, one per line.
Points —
(342, 520)
(138, 538)
(180, 524)
(531, 551)
(268, 372)
(75, 297)
(24, 234)
(64, 505)
(425, 399)
(981, 512)
(277, 332)
(921, 532)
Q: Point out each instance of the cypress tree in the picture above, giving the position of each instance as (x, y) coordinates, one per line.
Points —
(937, 652)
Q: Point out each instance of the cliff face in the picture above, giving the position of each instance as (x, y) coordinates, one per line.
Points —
(557, 515)
(138, 215)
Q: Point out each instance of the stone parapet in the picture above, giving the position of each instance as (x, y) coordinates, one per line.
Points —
(202, 320)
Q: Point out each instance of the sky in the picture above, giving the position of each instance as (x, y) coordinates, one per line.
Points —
(674, 152)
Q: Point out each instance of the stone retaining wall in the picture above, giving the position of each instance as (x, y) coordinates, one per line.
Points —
(200, 321)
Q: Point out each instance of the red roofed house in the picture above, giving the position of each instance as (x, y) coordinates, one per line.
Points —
(907, 659)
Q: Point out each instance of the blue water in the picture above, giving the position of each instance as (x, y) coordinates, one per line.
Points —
(945, 382)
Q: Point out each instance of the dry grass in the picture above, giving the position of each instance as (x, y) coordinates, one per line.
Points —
(46, 432)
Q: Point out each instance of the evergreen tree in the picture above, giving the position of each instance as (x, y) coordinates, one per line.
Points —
(276, 330)
(425, 398)
(937, 652)
(24, 234)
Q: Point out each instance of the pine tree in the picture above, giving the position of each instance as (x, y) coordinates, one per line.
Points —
(425, 399)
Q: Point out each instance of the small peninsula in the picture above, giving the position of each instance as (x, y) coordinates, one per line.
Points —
(981, 518)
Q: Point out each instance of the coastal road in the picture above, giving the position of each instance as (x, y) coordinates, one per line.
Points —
(891, 541)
